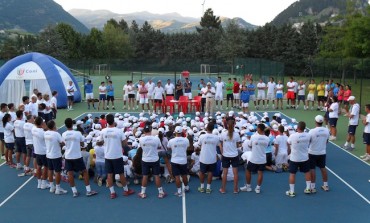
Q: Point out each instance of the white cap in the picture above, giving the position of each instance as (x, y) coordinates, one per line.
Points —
(117, 114)
(206, 114)
(79, 122)
(190, 132)
(154, 125)
(138, 134)
(197, 113)
(178, 129)
(120, 117)
(97, 126)
(209, 83)
(89, 115)
(181, 114)
(161, 130)
(275, 127)
(351, 98)
(319, 119)
(188, 119)
(125, 158)
(294, 120)
(231, 113)
(215, 132)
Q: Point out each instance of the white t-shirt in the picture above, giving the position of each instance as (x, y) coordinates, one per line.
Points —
(335, 107)
(229, 147)
(150, 146)
(8, 133)
(125, 89)
(73, 141)
(52, 142)
(290, 84)
(102, 89)
(27, 128)
(34, 109)
(355, 111)
(299, 143)
(39, 145)
(70, 88)
(99, 154)
(302, 89)
(113, 138)
(53, 102)
(245, 146)
(195, 157)
(258, 143)
(1, 121)
(319, 139)
(130, 89)
(208, 144)
(150, 87)
(367, 126)
(261, 85)
(158, 92)
(295, 86)
(271, 87)
(48, 105)
(279, 88)
(18, 128)
(281, 140)
(219, 87)
(178, 145)
(169, 88)
(208, 94)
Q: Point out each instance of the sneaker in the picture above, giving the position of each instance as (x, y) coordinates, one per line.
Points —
(76, 194)
(364, 156)
(28, 172)
(61, 191)
(307, 191)
(19, 166)
(91, 193)
(332, 138)
(128, 192)
(44, 186)
(162, 195)
(100, 182)
(12, 165)
(71, 109)
(313, 191)
(246, 188)
(201, 190)
(113, 195)
(178, 194)
(113, 108)
(257, 190)
(3, 157)
(208, 191)
(221, 191)
(52, 190)
(290, 194)
(325, 188)
(142, 195)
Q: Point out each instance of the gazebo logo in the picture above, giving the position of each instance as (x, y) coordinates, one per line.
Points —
(20, 72)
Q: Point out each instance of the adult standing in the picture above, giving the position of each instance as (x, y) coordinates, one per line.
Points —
(54, 104)
(290, 93)
(3, 108)
(158, 97)
(102, 94)
(251, 88)
(236, 93)
(89, 92)
(353, 116)
(70, 94)
(366, 135)
(20, 140)
(347, 93)
(271, 87)
(179, 91)
(320, 95)
(204, 97)
(150, 85)
(169, 88)
(125, 95)
(301, 95)
(131, 96)
(219, 85)
(113, 139)
(187, 88)
(40, 153)
(200, 86)
(210, 98)
(229, 94)
(261, 86)
(110, 94)
(311, 94)
(279, 95)
(144, 99)
(333, 117)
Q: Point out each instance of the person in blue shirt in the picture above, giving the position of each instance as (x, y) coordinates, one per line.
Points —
(89, 94)
(336, 89)
(187, 88)
(245, 97)
(269, 150)
(251, 88)
(110, 94)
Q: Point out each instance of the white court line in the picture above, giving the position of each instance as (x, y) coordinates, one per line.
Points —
(183, 205)
(73, 119)
(348, 185)
(19, 188)
(3, 163)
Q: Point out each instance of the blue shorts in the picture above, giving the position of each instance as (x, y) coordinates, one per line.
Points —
(255, 167)
(207, 168)
(301, 98)
(30, 151)
(41, 160)
(352, 129)
(317, 161)
(303, 167)
(1, 136)
(55, 164)
(20, 142)
(102, 97)
(179, 169)
(147, 166)
(75, 165)
(10, 146)
(333, 122)
(227, 161)
(366, 137)
(114, 166)
(279, 95)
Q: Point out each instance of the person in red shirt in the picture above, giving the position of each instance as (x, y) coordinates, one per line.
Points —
(236, 93)
(103, 121)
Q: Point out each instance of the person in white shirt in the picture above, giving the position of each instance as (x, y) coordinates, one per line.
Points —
(298, 144)
(113, 139)
(70, 94)
(257, 161)
(54, 104)
(366, 135)
(317, 152)
(279, 95)
(125, 94)
(281, 150)
(291, 93)
(73, 159)
(144, 99)
(333, 117)
(102, 95)
(230, 142)
(26, 103)
(158, 97)
(169, 88)
(150, 161)
(3, 109)
(20, 140)
(47, 111)
(150, 86)
(131, 95)
(34, 106)
(179, 146)
(9, 139)
(40, 152)
(353, 116)
(209, 92)
(219, 85)
(261, 87)
(54, 142)
(301, 94)
(271, 87)
(208, 157)
(27, 129)
(195, 164)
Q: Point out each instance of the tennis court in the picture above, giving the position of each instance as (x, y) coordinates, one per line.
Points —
(347, 200)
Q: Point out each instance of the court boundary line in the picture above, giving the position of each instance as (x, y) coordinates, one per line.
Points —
(183, 205)
(3, 163)
(16, 191)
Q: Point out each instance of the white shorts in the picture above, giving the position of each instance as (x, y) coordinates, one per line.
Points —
(261, 95)
(89, 96)
(270, 96)
(143, 101)
(190, 95)
(236, 96)
(150, 96)
(219, 97)
(310, 97)
(252, 97)
(137, 96)
(245, 105)
(125, 97)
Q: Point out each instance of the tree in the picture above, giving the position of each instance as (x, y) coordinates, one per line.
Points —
(209, 21)
(116, 43)
(93, 44)
(50, 42)
(233, 42)
(71, 38)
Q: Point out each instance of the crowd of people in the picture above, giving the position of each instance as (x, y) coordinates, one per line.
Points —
(119, 148)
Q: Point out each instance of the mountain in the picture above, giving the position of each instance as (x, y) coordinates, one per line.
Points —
(320, 11)
(169, 23)
(34, 15)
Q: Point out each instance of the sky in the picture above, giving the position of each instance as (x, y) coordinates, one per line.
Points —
(257, 12)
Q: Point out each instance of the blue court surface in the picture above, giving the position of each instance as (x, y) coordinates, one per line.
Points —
(347, 200)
